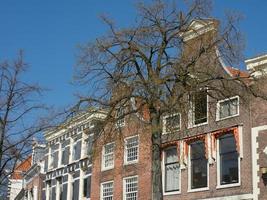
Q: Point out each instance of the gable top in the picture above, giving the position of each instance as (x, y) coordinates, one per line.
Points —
(198, 27)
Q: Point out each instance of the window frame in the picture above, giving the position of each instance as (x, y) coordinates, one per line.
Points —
(218, 118)
(163, 174)
(190, 171)
(164, 128)
(83, 178)
(126, 152)
(101, 192)
(219, 185)
(120, 122)
(124, 186)
(103, 168)
(192, 111)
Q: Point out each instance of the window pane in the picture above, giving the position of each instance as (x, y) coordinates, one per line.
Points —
(131, 187)
(107, 191)
(200, 107)
(228, 160)
(199, 165)
(171, 155)
(172, 122)
(172, 177)
(172, 170)
(132, 149)
(229, 108)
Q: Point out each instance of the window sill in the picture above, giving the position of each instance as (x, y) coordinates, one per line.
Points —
(198, 125)
(232, 116)
(130, 162)
(106, 169)
(228, 185)
(198, 190)
(171, 193)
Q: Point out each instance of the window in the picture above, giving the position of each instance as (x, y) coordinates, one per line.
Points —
(108, 156)
(200, 108)
(59, 188)
(52, 157)
(131, 149)
(89, 145)
(228, 108)
(229, 160)
(120, 116)
(107, 191)
(171, 170)
(87, 187)
(198, 165)
(76, 150)
(171, 123)
(49, 189)
(130, 186)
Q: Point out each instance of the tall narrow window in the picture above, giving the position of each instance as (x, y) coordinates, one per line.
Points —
(76, 150)
(200, 107)
(52, 157)
(199, 165)
(130, 188)
(131, 149)
(172, 170)
(87, 187)
(108, 156)
(107, 191)
(49, 189)
(59, 188)
(120, 116)
(228, 108)
(229, 160)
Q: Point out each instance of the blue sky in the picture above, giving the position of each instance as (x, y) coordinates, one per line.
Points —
(49, 32)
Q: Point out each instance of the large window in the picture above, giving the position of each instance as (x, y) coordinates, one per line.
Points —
(130, 188)
(171, 123)
(228, 108)
(200, 108)
(172, 170)
(198, 165)
(108, 156)
(131, 149)
(107, 191)
(87, 187)
(229, 160)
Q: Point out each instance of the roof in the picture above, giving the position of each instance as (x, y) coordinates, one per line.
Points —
(21, 168)
(238, 73)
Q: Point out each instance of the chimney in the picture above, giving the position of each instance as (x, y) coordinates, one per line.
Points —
(257, 66)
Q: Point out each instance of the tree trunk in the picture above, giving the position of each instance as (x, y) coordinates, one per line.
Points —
(157, 193)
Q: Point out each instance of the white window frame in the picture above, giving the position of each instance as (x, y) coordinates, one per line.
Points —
(101, 192)
(163, 174)
(120, 122)
(59, 187)
(103, 167)
(191, 117)
(74, 141)
(224, 100)
(176, 128)
(219, 169)
(125, 150)
(189, 174)
(124, 186)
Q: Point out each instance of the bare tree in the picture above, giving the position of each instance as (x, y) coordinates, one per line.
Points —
(161, 61)
(19, 111)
